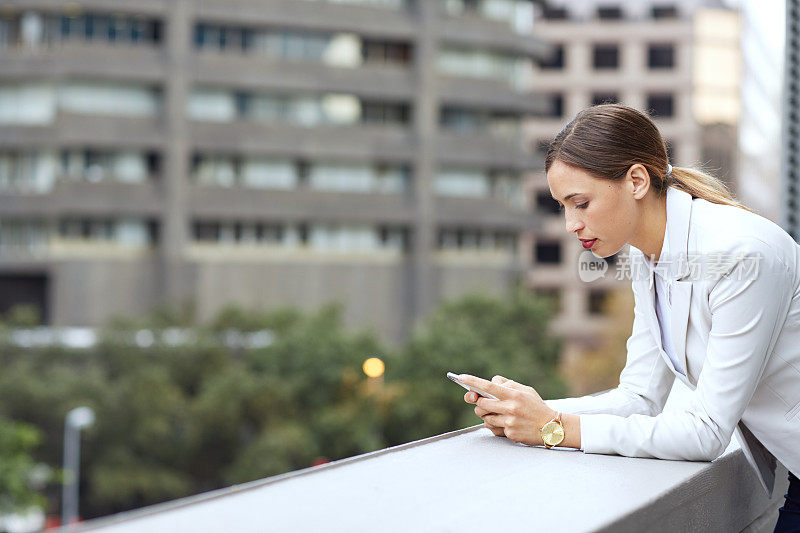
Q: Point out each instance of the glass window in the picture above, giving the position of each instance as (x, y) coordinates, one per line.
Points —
(467, 183)
(547, 252)
(554, 13)
(664, 12)
(609, 13)
(555, 61)
(605, 98)
(661, 56)
(269, 174)
(661, 105)
(546, 204)
(597, 301)
(606, 56)
(556, 106)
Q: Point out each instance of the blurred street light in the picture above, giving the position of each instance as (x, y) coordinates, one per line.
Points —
(374, 367)
(77, 419)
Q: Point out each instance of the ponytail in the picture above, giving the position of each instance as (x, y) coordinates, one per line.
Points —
(702, 185)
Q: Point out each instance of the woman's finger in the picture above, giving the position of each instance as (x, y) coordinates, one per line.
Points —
(495, 420)
(498, 432)
(470, 397)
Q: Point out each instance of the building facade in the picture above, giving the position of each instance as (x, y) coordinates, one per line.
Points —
(265, 153)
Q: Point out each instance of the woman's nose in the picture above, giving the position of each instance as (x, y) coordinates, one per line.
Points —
(573, 225)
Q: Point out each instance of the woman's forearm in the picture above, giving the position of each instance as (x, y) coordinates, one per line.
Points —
(572, 431)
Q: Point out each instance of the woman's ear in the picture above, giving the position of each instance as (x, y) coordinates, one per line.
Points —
(639, 179)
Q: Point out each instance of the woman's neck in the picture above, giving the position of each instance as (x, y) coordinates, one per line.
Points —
(653, 225)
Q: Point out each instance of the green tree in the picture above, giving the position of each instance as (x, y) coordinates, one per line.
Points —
(476, 334)
(18, 467)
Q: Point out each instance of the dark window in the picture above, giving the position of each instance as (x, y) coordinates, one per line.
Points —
(206, 231)
(547, 252)
(606, 56)
(153, 164)
(555, 13)
(597, 301)
(661, 56)
(385, 52)
(605, 98)
(384, 113)
(609, 12)
(556, 106)
(664, 12)
(555, 60)
(546, 204)
(661, 105)
(25, 289)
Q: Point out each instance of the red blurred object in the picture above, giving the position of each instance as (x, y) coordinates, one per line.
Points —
(320, 461)
(52, 522)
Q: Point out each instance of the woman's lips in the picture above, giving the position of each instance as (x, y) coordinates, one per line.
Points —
(588, 243)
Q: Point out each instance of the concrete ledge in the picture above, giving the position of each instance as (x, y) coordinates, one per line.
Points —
(470, 479)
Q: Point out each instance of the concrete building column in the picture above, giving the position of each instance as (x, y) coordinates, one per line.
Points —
(425, 125)
(175, 218)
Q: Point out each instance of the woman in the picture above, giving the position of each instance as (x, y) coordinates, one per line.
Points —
(717, 305)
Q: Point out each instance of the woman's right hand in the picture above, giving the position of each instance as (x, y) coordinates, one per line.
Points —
(472, 397)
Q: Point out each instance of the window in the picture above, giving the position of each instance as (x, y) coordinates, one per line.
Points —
(554, 13)
(609, 13)
(661, 56)
(555, 60)
(661, 105)
(605, 98)
(547, 252)
(546, 204)
(556, 106)
(597, 301)
(664, 12)
(385, 52)
(606, 56)
(384, 113)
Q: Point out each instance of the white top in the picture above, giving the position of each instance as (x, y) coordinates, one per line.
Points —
(664, 303)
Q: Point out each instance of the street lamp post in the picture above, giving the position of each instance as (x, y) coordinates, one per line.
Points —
(77, 419)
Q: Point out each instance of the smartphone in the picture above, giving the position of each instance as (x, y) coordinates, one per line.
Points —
(480, 392)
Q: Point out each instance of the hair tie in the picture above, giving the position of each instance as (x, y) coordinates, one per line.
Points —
(669, 171)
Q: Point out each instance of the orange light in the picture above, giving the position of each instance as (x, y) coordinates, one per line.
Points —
(373, 367)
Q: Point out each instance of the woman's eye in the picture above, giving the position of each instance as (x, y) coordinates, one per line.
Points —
(582, 206)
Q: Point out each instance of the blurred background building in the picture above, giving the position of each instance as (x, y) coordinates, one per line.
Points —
(384, 153)
(680, 61)
(265, 153)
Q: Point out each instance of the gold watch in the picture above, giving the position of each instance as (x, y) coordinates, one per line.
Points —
(553, 432)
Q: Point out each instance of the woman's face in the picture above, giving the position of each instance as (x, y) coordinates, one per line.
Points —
(595, 208)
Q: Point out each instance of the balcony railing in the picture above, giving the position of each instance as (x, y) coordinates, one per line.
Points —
(471, 480)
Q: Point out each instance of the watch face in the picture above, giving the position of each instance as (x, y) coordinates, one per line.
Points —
(552, 433)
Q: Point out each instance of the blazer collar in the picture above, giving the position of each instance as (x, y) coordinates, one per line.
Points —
(673, 265)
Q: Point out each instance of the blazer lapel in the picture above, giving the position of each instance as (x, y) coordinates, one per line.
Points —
(681, 298)
(679, 212)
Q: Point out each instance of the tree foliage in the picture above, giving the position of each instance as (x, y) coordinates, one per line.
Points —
(177, 418)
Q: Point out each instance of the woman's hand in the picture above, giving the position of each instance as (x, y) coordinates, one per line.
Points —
(518, 413)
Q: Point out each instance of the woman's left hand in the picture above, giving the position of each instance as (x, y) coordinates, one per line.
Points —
(519, 410)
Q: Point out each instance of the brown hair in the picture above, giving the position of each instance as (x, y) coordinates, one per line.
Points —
(606, 140)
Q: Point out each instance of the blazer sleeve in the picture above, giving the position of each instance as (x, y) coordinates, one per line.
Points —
(747, 313)
(644, 383)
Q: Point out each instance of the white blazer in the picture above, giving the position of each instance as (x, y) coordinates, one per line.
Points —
(736, 331)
